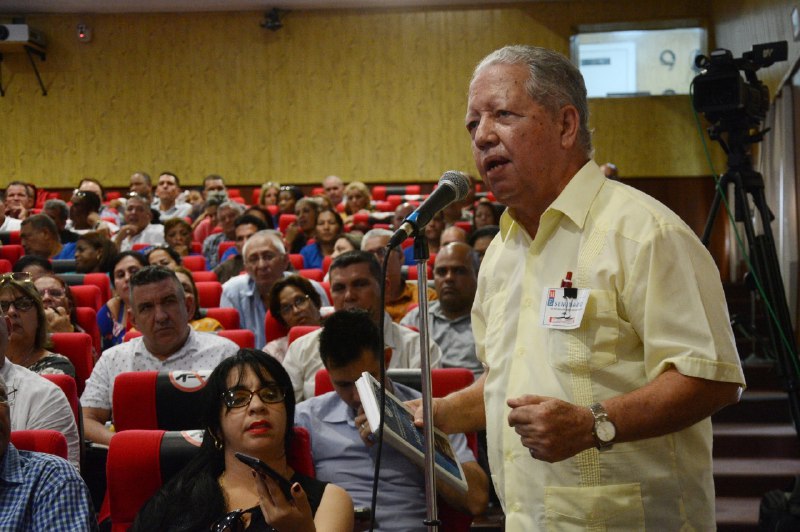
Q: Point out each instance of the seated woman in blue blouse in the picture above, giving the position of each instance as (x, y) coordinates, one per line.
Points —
(328, 229)
(112, 318)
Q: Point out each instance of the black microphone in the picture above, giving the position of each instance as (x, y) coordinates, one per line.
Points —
(453, 186)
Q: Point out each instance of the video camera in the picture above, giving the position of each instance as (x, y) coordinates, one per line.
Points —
(722, 95)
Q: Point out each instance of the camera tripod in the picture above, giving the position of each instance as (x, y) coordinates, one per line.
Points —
(748, 185)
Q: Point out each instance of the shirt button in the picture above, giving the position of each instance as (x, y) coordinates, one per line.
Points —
(515, 507)
(509, 456)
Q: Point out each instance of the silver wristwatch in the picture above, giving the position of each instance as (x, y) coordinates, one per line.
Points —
(604, 430)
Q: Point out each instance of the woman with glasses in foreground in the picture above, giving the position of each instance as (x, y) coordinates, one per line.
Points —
(27, 333)
(249, 408)
(292, 301)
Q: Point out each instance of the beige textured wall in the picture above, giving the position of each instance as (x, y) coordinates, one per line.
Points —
(376, 96)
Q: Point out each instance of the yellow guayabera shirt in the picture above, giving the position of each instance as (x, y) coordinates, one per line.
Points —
(655, 302)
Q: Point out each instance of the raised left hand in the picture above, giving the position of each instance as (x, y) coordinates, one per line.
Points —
(279, 512)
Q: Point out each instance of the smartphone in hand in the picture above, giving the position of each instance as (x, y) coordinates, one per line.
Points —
(261, 467)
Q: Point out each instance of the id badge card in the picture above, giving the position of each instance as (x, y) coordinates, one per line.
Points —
(563, 308)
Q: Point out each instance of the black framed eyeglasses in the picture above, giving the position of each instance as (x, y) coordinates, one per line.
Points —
(299, 303)
(22, 304)
(240, 397)
(231, 522)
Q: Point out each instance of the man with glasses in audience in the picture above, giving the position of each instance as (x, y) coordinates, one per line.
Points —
(355, 284)
(38, 491)
(34, 402)
(400, 294)
(265, 261)
(160, 310)
(138, 227)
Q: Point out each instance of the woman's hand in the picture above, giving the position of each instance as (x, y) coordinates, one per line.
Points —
(58, 320)
(281, 514)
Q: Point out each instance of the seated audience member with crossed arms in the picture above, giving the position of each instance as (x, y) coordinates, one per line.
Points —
(342, 443)
(160, 310)
(38, 491)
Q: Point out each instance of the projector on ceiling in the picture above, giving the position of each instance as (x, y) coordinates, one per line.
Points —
(21, 33)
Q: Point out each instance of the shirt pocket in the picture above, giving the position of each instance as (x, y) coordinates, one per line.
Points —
(610, 508)
(594, 342)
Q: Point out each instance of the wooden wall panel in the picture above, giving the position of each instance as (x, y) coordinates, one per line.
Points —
(377, 96)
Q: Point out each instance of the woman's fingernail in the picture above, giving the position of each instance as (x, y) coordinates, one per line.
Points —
(296, 487)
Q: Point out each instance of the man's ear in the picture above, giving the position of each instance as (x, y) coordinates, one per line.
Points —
(570, 125)
(190, 303)
(131, 316)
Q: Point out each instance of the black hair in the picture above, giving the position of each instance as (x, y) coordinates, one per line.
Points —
(177, 181)
(301, 283)
(263, 214)
(345, 337)
(349, 258)
(171, 252)
(193, 499)
(153, 274)
(101, 243)
(244, 219)
(483, 232)
(27, 260)
(90, 200)
(134, 254)
(294, 190)
(42, 222)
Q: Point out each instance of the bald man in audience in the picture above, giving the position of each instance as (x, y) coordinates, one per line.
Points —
(449, 317)
(453, 234)
(334, 189)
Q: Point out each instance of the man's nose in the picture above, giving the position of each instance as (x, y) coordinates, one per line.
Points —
(484, 133)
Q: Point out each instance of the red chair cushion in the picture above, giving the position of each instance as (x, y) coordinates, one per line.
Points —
(200, 276)
(209, 293)
(273, 328)
(298, 262)
(244, 338)
(227, 316)
(87, 295)
(300, 330)
(87, 319)
(76, 346)
(40, 441)
(195, 263)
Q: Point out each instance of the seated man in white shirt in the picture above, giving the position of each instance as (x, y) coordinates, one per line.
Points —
(160, 310)
(355, 283)
(35, 402)
(167, 191)
(137, 227)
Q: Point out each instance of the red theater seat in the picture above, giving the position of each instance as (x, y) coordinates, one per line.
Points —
(273, 328)
(87, 296)
(11, 252)
(244, 338)
(300, 330)
(297, 260)
(224, 246)
(315, 274)
(209, 293)
(227, 316)
(77, 347)
(204, 276)
(140, 461)
(40, 441)
(194, 263)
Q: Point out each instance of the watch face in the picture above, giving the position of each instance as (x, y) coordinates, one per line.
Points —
(605, 431)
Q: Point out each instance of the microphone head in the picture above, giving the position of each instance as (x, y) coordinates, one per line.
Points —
(457, 181)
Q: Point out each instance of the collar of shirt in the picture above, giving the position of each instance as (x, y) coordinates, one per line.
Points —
(10, 467)
(435, 310)
(573, 202)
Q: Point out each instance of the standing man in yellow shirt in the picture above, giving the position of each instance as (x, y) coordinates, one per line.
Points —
(600, 317)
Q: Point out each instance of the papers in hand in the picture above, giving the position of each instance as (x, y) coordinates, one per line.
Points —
(401, 433)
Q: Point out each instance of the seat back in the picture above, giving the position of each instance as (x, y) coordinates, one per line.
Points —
(244, 338)
(209, 293)
(63, 265)
(10, 237)
(273, 328)
(194, 263)
(5, 266)
(87, 319)
(297, 260)
(165, 400)
(40, 441)
(300, 330)
(70, 389)
(11, 252)
(101, 281)
(284, 221)
(200, 276)
(227, 316)
(314, 274)
(224, 246)
(140, 461)
(87, 295)
(77, 347)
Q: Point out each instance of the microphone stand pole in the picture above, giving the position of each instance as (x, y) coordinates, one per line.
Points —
(421, 259)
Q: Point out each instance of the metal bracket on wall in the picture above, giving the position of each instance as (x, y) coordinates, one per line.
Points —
(30, 51)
